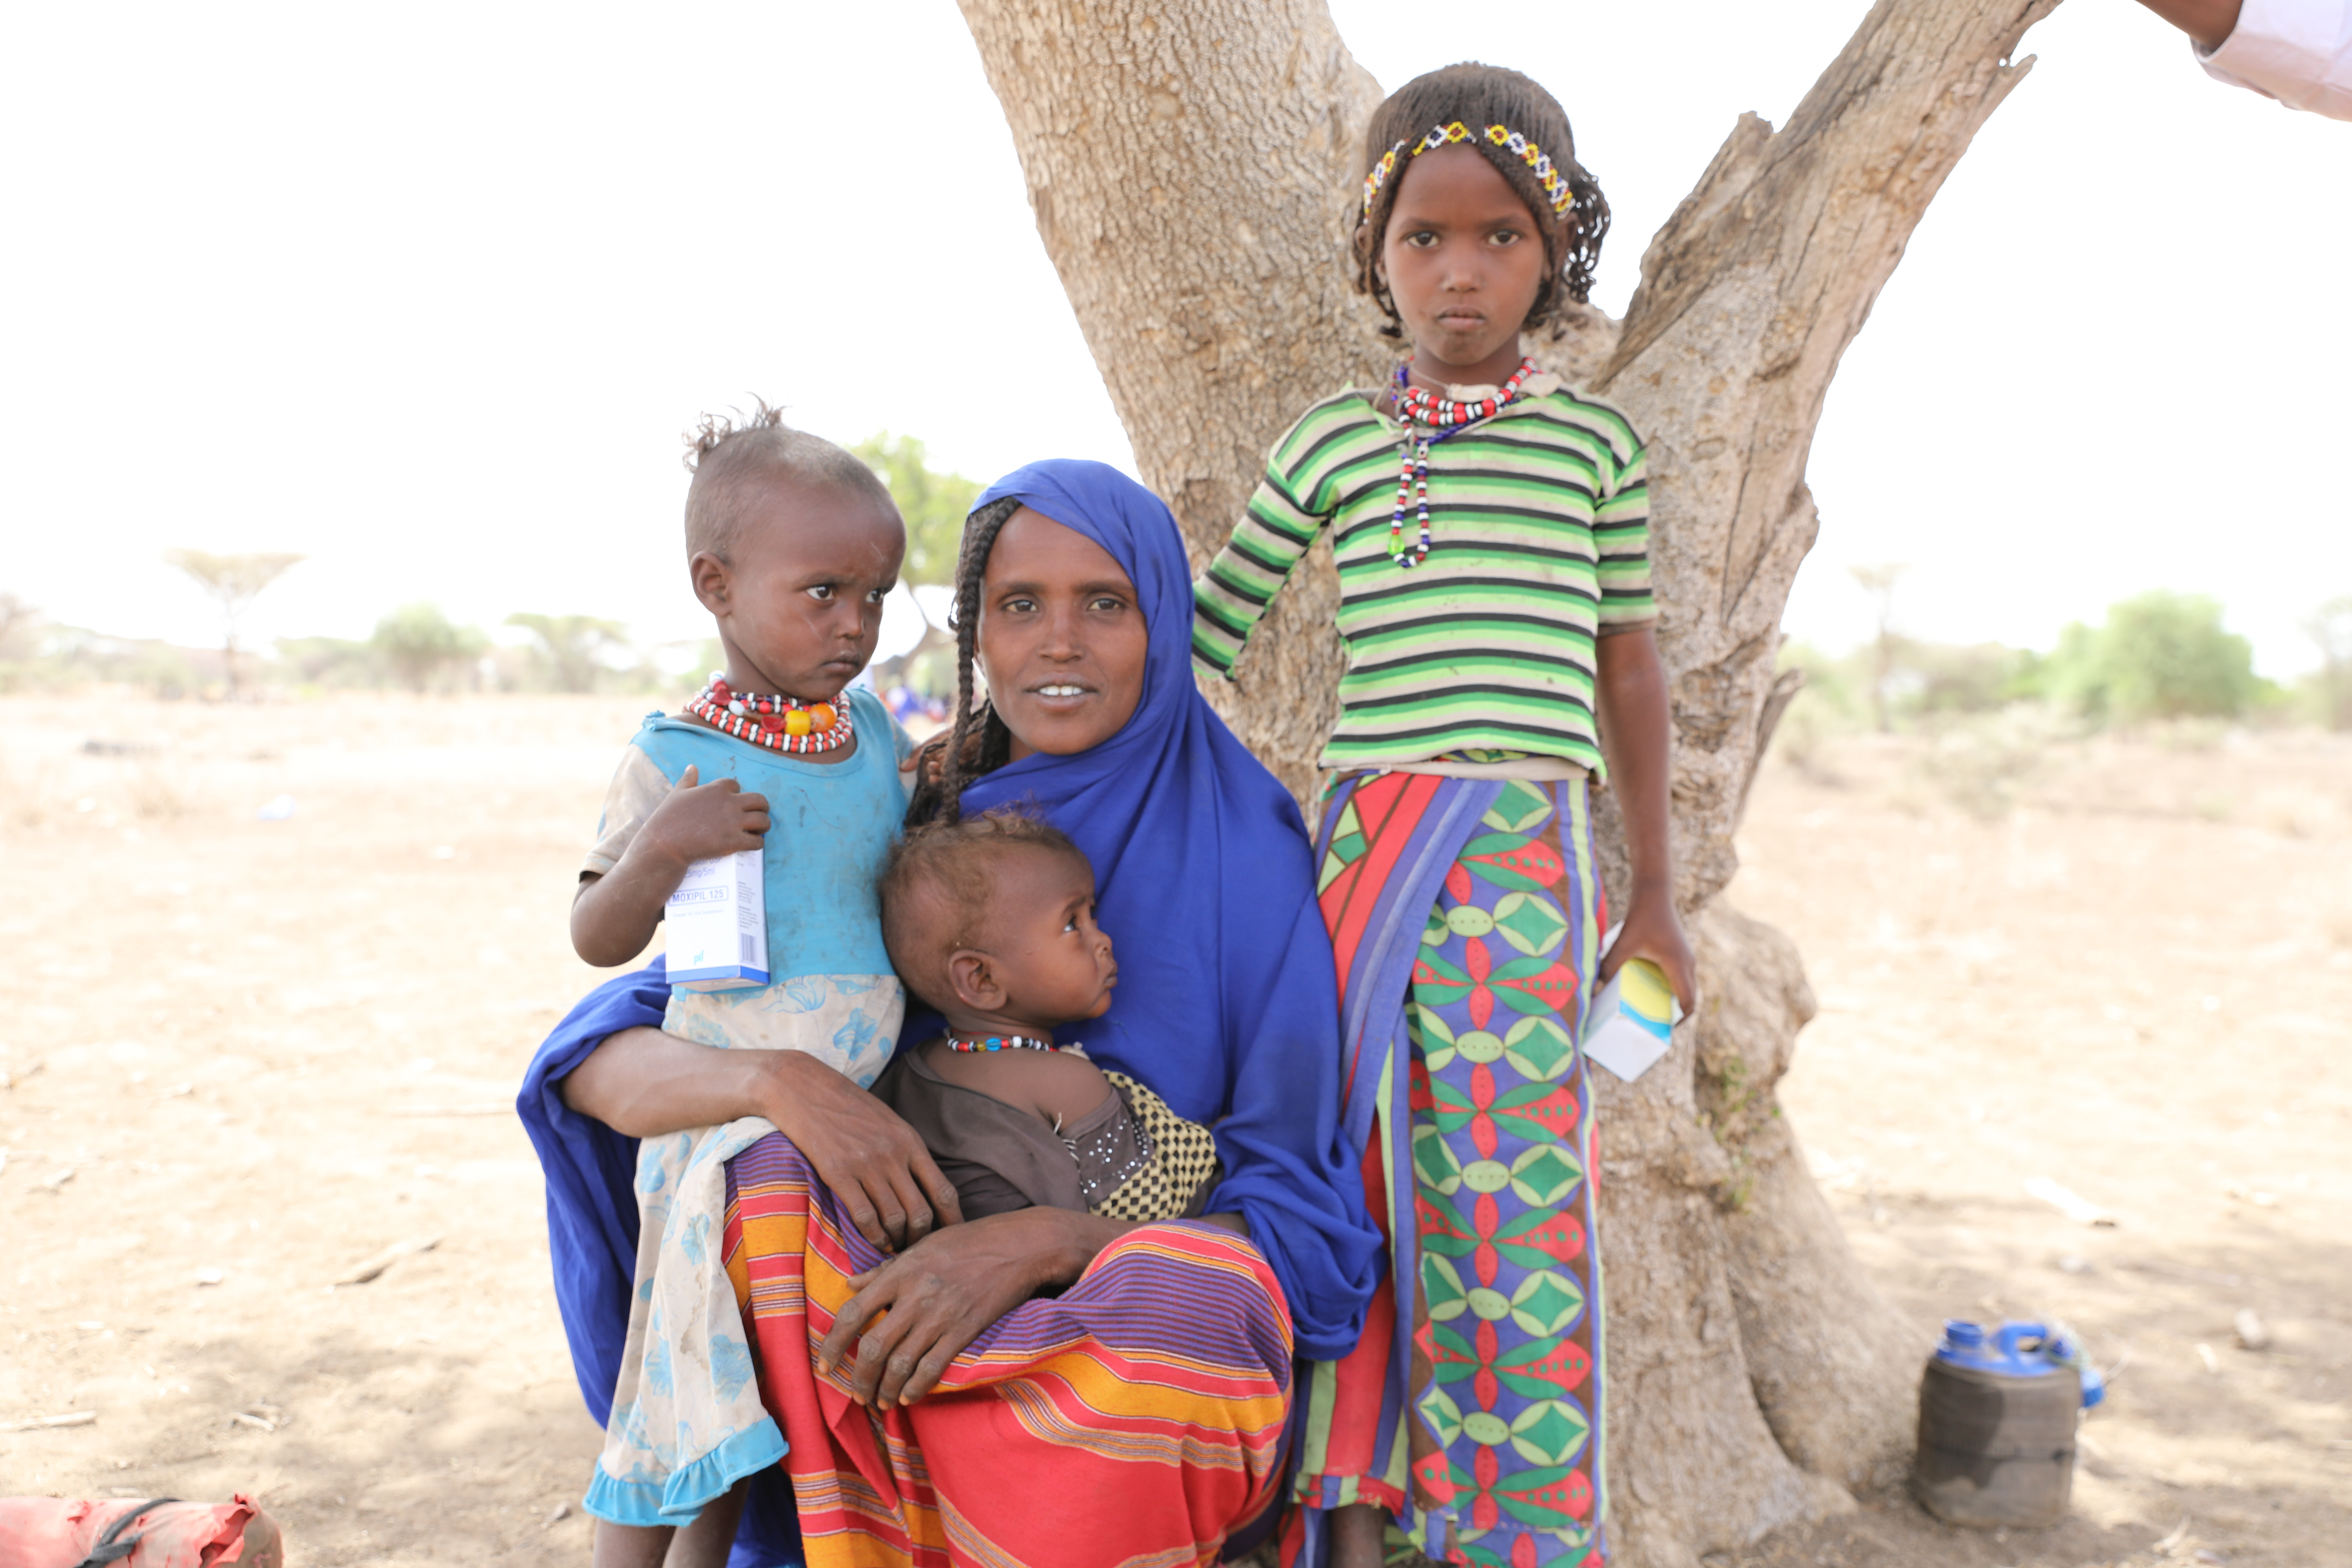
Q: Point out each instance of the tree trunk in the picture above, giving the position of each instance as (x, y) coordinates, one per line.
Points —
(1191, 164)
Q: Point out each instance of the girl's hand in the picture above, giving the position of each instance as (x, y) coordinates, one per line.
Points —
(889, 1184)
(940, 1293)
(703, 821)
(1654, 930)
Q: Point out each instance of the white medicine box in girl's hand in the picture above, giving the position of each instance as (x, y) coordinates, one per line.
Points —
(718, 925)
(1631, 1022)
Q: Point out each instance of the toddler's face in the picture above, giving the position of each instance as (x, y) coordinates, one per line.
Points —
(800, 608)
(1053, 961)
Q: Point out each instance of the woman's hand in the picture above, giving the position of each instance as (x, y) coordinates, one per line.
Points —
(644, 1083)
(889, 1187)
(941, 1292)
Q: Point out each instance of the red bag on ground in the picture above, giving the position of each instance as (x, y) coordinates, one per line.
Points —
(60, 1532)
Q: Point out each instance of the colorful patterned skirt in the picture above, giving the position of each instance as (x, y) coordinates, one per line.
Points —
(1137, 1418)
(1465, 916)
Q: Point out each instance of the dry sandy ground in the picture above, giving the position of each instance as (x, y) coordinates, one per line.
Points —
(259, 1052)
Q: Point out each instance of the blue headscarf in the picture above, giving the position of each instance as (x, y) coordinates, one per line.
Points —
(1228, 1004)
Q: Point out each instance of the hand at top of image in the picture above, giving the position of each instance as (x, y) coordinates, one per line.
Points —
(2296, 52)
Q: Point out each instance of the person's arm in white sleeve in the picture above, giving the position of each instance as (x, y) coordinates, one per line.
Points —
(2296, 51)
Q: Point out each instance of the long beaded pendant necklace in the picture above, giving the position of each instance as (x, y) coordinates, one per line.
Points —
(779, 723)
(1421, 411)
(999, 1043)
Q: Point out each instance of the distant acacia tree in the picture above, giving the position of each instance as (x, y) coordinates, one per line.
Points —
(418, 642)
(234, 582)
(571, 644)
(933, 503)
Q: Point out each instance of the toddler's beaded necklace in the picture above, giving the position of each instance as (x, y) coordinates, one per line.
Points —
(999, 1043)
(1421, 411)
(779, 723)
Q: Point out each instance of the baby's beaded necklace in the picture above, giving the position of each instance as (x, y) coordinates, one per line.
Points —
(1420, 410)
(779, 723)
(999, 1043)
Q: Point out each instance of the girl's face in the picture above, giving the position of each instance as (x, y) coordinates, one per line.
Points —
(1062, 639)
(1464, 261)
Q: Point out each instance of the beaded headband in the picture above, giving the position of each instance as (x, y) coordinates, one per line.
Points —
(1555, 185)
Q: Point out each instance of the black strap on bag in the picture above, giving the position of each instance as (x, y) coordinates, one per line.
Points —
(111, 1547)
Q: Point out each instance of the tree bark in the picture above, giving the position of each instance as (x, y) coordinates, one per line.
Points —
(1191, 163)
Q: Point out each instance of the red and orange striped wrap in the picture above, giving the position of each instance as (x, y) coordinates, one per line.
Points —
(1136, 1419)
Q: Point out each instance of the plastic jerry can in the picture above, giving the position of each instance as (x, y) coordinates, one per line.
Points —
(1998, 1411)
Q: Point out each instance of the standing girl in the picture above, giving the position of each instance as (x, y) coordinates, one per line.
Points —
(1491, 531)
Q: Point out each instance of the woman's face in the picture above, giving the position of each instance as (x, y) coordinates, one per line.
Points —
(1062, 640)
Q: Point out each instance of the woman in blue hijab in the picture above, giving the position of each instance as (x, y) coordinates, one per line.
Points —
(1073, 600)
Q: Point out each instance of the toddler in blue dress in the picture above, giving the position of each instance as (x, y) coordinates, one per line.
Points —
(793, 543)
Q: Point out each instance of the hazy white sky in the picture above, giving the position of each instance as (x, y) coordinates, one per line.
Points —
(429, 293)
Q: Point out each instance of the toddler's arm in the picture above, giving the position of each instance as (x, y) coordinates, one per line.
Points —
(614, 916)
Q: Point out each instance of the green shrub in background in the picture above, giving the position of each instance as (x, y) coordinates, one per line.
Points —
(424, 649)
(1932, 680)
(571, 650)
(2159, 656)
(933, 503)
(337, 663)
(1923, 681)
(1837, 683)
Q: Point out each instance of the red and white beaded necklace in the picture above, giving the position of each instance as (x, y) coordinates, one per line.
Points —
(1420, 410)
(779, 723)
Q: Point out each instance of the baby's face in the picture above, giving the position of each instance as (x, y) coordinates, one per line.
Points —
(1055, 963)
(803, 600)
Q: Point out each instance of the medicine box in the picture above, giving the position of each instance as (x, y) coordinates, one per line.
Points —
(718, 925)
(1632, 1021)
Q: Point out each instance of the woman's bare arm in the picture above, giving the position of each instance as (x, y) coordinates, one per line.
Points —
(645, 1082)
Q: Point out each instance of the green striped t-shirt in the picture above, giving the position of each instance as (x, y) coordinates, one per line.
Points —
(1539, 531)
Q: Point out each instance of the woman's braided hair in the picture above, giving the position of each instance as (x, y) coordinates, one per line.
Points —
(977, 743)
(1479, 96)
